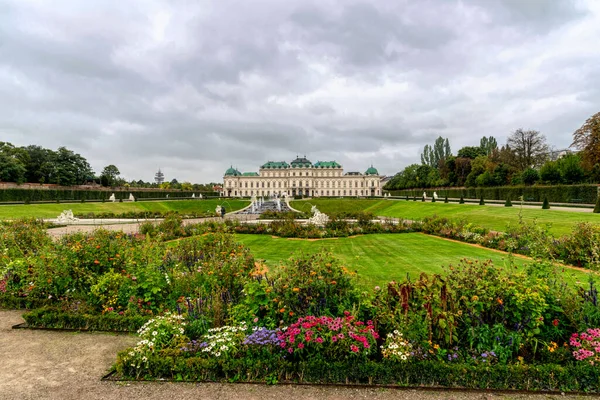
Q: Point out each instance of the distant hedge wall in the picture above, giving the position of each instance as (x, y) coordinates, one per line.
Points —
(7, 195)
(556, 194)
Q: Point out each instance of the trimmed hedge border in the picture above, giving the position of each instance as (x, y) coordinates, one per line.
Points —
(10, 302)
(14, 195)
(53, 318)
(579, 377)
(555, 194)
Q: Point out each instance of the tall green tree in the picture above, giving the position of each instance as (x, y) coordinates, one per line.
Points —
(109, 175)
(70, 168)
(432, 155)
(571, 169)
(12, 168)
(488, 145)
(471, 152)
(39, 164)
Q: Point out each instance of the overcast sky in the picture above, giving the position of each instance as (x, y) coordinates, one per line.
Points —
(194, 86)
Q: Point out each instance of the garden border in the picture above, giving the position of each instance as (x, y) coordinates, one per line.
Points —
(24, 325)
(113, 376)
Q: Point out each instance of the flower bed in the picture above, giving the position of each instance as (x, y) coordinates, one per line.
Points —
(207, 311)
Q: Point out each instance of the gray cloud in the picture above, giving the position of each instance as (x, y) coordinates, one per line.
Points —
(192, 87)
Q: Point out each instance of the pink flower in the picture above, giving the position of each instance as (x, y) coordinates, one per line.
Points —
(334, 338)
(319, 340)
(256, 320)
(354, 348)
(300, 345)
(290, 350)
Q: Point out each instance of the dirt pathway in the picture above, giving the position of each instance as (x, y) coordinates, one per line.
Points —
(64, 366)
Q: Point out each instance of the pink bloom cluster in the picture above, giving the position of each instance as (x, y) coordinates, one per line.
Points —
(587, 345)
(327, 331)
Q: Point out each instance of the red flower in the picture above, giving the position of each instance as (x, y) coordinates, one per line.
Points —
(555, 322)
(354, 348)
(300, 345)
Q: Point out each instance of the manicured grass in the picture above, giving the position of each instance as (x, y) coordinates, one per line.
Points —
(377, 258)
(182, 206)
(492, 217)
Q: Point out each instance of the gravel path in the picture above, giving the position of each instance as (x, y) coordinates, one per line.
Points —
(63, 366)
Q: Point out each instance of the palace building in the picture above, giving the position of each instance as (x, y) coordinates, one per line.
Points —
(301, 178)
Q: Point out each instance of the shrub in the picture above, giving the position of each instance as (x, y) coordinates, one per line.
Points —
(446, 199)
(462, 200)
(481, 201)
(597, 207)
(545, 205)
(507, 203)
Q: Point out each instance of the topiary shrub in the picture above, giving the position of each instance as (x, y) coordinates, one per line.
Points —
(423, 198)
(545, 205)
(507, 203)
(446, 199)
(433, 199)
(462, 200)
(481, 202)
(597, 208)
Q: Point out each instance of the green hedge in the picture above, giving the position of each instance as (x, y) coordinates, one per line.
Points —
(547, 377)
(51, 317)
(11, 302)
(8, 195)
(556, 194)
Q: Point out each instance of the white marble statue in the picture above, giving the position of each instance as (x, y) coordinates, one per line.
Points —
(112, 198)
(425, 195)
(318, 217)
(435, 196)
(131, 198)
(200, 195)
(193, 195)
(66, 217)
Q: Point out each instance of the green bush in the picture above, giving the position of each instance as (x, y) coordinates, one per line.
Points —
(597, 207)
(555, 193)
(52, 317)
(461, 201)
(507, 203)
(31, 195)
(481, 201)
(545, 205)
(545, 377)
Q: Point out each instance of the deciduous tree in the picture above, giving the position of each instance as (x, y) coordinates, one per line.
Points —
(529, 147)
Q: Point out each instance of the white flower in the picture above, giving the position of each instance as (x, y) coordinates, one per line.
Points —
(154, 333)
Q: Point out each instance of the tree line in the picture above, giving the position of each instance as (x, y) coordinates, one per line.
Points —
(525, 158)
(35, 164)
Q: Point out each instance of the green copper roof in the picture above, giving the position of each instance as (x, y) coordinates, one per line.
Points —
(275, 164)
(371, 171)
(327, 164)
(232, 172)
(250, 174)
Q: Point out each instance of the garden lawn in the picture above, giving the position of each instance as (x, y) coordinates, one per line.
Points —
(377, 258)
(381, 258)
(182, 206)
(492, 217)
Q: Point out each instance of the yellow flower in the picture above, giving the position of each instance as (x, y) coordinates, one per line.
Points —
(436, 346)
(296, 289)
(474, 298)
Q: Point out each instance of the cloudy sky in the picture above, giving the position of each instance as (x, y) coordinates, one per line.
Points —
(194, 86)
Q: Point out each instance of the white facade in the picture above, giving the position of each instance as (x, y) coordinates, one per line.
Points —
(301, 178)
